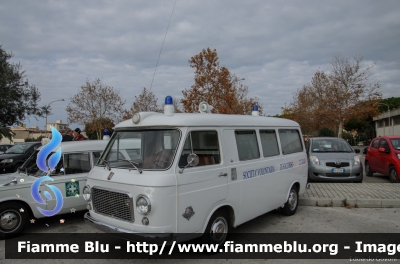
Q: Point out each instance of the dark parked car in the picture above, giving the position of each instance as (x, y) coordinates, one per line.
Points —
(365, 150)
(4, 147)
(333, 159)
(15, 156)
(383, 156)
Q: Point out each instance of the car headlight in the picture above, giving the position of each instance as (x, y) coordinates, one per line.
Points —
(398, 156)
(143, 205)
(86, 193)
(356, 160)
(7, 161)
(314, 160)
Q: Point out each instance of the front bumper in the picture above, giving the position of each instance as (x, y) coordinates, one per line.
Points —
(155, 238)
(324, 173)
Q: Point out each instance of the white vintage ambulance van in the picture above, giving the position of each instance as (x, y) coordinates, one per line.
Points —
(173, 176)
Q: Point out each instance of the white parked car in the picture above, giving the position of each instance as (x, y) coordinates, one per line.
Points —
(17, 205)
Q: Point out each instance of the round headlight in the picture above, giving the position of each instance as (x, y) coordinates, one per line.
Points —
(143, 205)
(86, 193)
(136, 118)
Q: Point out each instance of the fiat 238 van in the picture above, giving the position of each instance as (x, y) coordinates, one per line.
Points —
(181, 176)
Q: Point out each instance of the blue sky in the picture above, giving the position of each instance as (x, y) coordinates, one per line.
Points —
(277, 46)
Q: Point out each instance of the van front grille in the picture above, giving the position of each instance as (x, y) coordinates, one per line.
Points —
(113, 203)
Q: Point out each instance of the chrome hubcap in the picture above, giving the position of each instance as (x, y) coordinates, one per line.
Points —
(292, 201)
(219, 230)
(9, 220)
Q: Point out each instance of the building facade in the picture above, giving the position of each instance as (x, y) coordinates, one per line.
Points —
(388, 123)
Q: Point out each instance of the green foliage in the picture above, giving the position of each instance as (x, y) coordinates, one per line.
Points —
(34, 139)
(18, 100)
(6, 133)
(326, 132)
(392, 102)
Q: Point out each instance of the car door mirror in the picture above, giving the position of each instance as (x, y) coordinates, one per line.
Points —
(192, 161)
(384, 150)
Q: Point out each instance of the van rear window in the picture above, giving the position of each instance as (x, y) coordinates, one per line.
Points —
(290, 141)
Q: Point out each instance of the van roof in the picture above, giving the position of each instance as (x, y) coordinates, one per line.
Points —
(153, 119)
(84, 145)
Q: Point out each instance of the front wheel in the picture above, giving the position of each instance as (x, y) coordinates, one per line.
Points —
(13, 218)
(290, 206)
(368, 170)
(393, 176)
(218, 229)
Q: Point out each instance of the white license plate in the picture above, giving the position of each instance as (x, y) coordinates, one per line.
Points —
(338, 170)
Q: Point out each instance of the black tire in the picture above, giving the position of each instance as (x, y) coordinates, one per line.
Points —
(221, 223)
(368, 170)
(393, 175)
(292, 202)
(13, 219)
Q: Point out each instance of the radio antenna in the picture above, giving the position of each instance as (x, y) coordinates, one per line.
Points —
(162, 45)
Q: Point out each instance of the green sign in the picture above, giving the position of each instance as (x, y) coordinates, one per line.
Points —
(71, 188)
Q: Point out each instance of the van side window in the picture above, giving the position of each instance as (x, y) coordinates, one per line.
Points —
(205, 145)
(269, 143)
(247, 145)
(290, 141)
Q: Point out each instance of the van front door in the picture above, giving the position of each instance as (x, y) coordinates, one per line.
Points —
(200, 187)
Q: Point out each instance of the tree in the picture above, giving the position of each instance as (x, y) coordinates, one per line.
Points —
(326, 132)
(94, 103)
(94, 130)
(216, 86)
(144, 102)
(18, 99)
(333, 98)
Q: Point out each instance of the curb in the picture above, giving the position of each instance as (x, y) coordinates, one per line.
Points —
(345, 202)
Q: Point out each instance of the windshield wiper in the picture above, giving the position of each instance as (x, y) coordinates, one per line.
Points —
(133, 164)
(107, 164)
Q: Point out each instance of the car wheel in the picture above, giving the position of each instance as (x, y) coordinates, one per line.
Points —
(13, 218)
(290, 206)
(393, 176)
(218, 229)
(368, 170)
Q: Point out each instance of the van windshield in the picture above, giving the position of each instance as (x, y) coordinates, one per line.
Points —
(144, 149)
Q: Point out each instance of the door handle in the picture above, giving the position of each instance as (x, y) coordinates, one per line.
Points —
(223, 174)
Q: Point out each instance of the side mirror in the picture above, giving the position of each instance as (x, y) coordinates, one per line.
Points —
(384, 150)
(357, 150)
(192, 161)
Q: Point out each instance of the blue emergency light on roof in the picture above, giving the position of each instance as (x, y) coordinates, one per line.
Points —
(254, 111)
(169, 108)
(106, 135)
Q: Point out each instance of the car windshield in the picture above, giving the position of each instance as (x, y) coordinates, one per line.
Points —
(18, 149)
(395, 143)
(30, 167)
(144, 149)
(330, 145)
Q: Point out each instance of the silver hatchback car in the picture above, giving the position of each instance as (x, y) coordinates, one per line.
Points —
(333, 159)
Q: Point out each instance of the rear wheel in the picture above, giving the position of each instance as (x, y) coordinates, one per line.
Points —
(393, 176)
(368, 170)
(218, 228)
(290, 206)
(13, 218)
